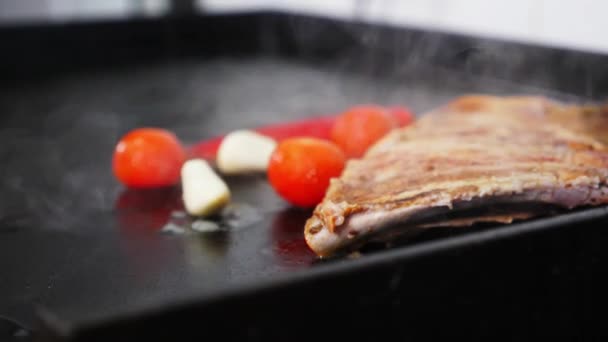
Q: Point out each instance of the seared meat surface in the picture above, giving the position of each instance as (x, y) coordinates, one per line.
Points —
(523, 155)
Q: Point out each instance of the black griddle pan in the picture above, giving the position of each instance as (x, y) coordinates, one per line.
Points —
(82, 259)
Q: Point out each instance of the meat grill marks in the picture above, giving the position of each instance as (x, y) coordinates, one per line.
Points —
(475, 151)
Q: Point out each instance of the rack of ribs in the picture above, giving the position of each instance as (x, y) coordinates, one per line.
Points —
(476, 159)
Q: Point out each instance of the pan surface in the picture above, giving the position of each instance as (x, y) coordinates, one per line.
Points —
(86, 250)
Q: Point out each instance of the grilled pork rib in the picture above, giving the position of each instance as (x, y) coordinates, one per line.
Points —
(521, 155)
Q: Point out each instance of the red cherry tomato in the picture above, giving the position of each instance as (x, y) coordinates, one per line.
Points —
(300, 169)
(360, 127)
(147, 158)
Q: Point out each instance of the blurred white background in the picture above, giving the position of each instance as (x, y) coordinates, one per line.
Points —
(578, 24)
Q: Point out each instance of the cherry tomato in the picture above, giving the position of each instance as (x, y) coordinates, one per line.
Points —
(359, 127)
(147, 158)
(300, 169)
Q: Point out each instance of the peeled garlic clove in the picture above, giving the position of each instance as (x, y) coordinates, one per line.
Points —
(203, 191)
(244, 152)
